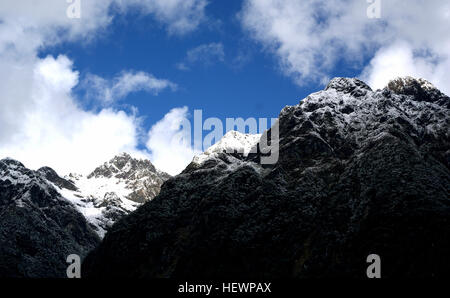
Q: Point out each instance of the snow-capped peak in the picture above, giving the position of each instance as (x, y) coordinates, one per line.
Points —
(12, 162)
(419, 90)
(112, 190)
(15, 172)
(347, 84)
(399, 84)
(232, 142)
(124, 166)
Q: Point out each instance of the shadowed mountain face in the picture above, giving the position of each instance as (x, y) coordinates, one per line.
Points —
(44, 217)
(359, 172)
(38, 227)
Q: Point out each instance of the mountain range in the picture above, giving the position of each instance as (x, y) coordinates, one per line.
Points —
(112, 190)
(359, 172)
(45, 217)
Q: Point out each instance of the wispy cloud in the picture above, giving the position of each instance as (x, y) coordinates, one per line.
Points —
(180, 16)
(108, 91)
(205, 54)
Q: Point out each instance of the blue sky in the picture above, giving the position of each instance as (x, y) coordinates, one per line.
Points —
(126, 74)
(247, 83)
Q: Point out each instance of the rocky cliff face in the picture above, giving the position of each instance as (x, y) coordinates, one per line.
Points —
(359, 172)
(38, 227)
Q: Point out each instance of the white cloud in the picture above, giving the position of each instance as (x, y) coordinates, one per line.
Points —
(43, 125)
(46, 127)
(41, 122)
(122, 85)
(180, 16)
(399, 59)
(310, 38)
(206, 54)
(170, 142)
(40, 19)
(296, 32)
(29, 24)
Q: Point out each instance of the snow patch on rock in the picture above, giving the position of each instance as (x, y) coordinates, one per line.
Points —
(231, 142)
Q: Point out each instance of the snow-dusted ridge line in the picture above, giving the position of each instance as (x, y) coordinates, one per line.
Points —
(25, 180)
(408, 81)
(354, 107)
(111, 191)
(114, 189)
(233, 141)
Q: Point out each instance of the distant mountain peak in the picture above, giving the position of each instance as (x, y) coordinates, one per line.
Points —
(232, 142)
(124, 166)
(402, 84)
(348, 85)
(112, 190)
(419, 90)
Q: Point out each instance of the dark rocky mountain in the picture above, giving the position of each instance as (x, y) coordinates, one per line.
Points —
(38, 227)
(359, 172)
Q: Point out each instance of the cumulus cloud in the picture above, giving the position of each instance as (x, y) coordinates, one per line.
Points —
(170, 141)
(401, 59)
(310, 38)
(205, 54)
(41, 122)
(123, 84)
(48, 127)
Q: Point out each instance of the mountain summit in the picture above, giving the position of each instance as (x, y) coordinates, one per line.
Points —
(231, 142)
(139, 175)
(112, 190)
(359, 172)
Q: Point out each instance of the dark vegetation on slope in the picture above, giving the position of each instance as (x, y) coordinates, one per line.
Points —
(38, 228)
